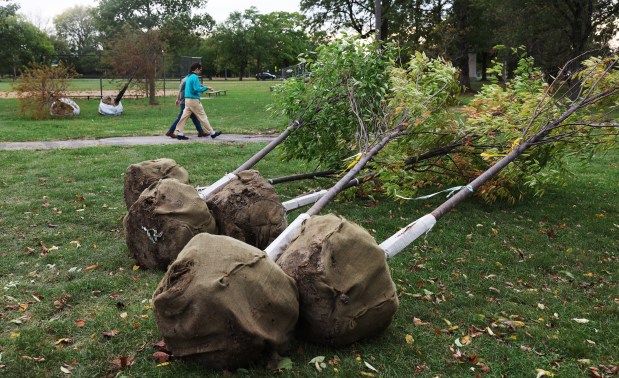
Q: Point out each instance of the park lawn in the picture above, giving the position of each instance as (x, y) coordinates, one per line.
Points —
(241, 111)
(524, 287)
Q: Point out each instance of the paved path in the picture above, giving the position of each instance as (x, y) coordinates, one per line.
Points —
(132, 141)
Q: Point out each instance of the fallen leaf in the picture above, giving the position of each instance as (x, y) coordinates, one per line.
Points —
(543, 373)
(581, 320)
(91, 267)
(80, 323)
(14, 335)
(122, 362)
(110, 334)
(285, 364)
(367, 365)
(409, 339)
(123, 315)
(161, 357)
(318, 362)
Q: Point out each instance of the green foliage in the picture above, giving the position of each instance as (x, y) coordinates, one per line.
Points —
(22, 42)
(253, 42)
(343, 72)
(356, 95)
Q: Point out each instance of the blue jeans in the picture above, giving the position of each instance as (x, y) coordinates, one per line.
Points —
(193, 117)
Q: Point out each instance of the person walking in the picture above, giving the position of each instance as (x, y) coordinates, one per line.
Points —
(193, 90)
(180, 101)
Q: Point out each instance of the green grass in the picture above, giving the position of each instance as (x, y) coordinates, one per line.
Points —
(171, 84)
(509, 269)
(242, 111)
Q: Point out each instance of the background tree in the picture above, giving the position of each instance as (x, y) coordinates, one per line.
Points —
(22, 42)
(137, 54)
(237, 40)
(149, 23)
(77, 29)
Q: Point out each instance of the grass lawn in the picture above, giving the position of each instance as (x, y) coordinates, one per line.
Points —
(242, 111)
(493, 290)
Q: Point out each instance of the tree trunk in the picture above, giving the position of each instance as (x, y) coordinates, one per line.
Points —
(484, 66)
(152, 99)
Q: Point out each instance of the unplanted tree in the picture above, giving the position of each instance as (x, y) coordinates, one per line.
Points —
(536, 116)
(42, 85)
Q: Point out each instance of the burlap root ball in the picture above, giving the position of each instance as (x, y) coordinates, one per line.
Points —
(141, 175)
(225, 304)
(249, 210)
(345, 287)
(163, 219)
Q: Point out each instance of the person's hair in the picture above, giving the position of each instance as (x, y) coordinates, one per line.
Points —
(195, 66)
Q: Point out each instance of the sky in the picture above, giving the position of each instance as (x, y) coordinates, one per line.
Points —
(42, 12)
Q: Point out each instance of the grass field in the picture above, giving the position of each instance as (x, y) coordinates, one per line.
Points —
(170, 84)
(493, 290)
(242, 111)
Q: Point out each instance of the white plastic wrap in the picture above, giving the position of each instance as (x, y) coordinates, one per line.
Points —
(298, 202)
(54, 111)
(401, 239)
(110, 110)
(209, 190)
(277, 247)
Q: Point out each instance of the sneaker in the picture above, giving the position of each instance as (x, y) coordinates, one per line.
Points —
(217, 133)
(170, 134)
(181, 137)
(202, 134)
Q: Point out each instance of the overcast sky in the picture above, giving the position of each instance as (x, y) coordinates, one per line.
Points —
(42, 12)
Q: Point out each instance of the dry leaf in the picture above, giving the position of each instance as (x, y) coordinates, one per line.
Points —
(581, 321)
(367, 365)
(110, 334)
(161, 357)
(409, 339)
(80, 323)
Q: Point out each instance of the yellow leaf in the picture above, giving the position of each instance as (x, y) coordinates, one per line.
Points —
(544, 373)
(366, 374)
(409, 339)
(163, 364)
(599, 216)
(588, 274)
(465, 340)
(136, 267)
(15, 335)
(518, 323)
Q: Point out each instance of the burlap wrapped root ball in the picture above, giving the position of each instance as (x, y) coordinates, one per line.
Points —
(163, 219)
(141, 175)
(249, 210)
(345, 287)
(225, 304)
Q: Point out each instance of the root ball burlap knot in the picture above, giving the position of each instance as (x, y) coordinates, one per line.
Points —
(141, 175)
(225, 304)
(345, 287)
(249, 210)
(162, 220)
